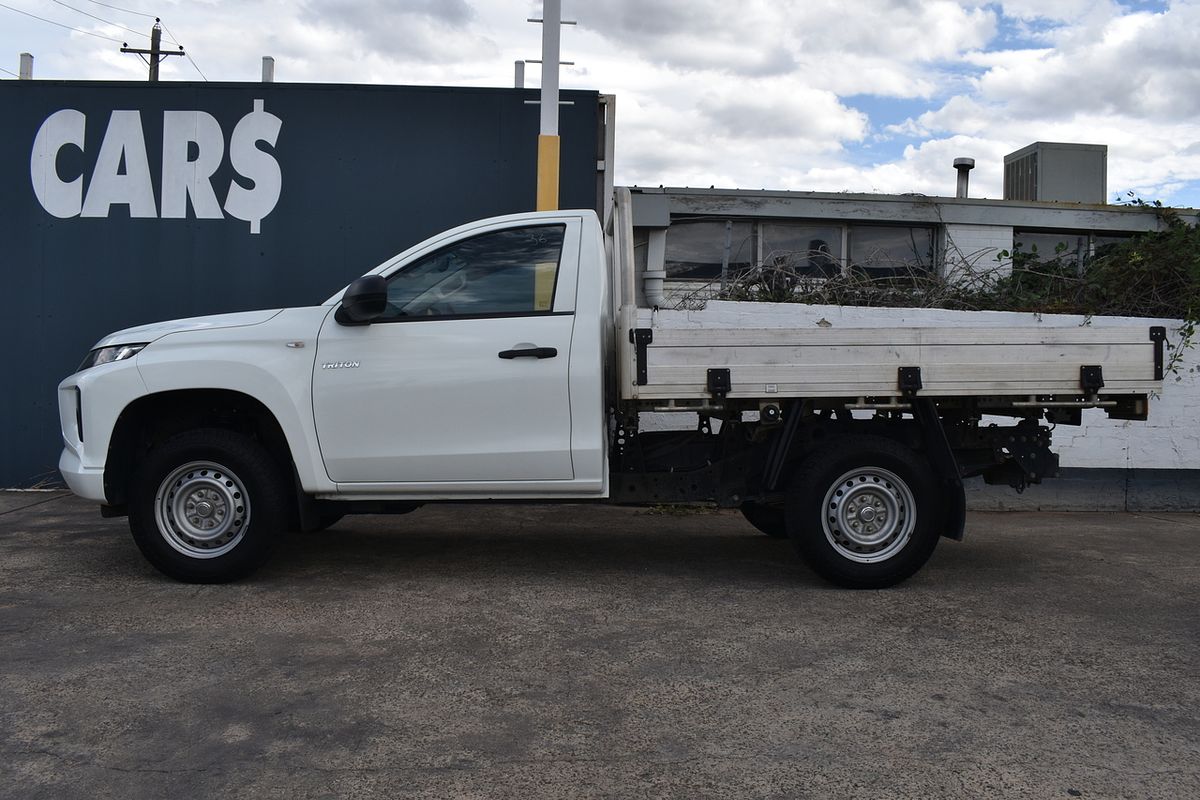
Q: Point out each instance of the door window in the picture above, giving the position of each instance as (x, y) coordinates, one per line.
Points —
(511, 272)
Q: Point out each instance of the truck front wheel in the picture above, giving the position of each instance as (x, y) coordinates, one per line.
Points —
(864, 513)
(207, 505)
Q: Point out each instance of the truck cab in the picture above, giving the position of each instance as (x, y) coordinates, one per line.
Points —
(471, 366)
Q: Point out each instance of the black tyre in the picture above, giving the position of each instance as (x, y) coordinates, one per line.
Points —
(768, 519)
(206, 506)
(864, 512)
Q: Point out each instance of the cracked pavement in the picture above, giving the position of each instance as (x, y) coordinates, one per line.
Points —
(497, 651)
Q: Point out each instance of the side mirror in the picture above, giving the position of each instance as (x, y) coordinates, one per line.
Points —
(363, 300)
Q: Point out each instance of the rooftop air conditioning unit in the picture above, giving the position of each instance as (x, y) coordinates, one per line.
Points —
(1055, 171)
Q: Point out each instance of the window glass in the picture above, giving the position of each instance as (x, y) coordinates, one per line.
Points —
(1103, 243)
(891, 250)
(695, 250)
(802, 249)
(504, 272)
(1063, 247)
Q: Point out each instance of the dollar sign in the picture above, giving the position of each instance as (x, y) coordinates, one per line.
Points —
(258, 166)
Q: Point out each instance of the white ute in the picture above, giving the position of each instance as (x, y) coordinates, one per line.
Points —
(509, 359)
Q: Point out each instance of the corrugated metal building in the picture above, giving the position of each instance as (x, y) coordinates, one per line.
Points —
(127, 203)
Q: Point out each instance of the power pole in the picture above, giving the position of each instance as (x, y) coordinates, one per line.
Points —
(155, 52)
(548, 142)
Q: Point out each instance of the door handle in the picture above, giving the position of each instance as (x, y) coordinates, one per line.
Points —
(530, 352)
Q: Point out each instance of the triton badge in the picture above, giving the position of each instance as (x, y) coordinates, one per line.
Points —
(340, 365)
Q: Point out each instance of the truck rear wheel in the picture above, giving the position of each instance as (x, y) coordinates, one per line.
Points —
(864, 512)
(207, 505)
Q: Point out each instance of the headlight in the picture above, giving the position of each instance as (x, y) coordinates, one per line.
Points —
(106, 355)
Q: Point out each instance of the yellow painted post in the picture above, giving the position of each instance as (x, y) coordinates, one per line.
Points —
(544, 273)
(547, 173)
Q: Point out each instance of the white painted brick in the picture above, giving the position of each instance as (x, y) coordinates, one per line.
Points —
(974, 248)
(1170, 439)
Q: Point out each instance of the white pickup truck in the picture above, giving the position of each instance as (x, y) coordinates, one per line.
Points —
(511, 359)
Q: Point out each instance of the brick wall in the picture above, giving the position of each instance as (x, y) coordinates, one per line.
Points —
(974, 248)
(1170, 439)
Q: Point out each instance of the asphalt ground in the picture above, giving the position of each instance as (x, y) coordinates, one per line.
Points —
(584, 651)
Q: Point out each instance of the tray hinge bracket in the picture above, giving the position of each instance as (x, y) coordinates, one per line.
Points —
(719, 383)
(1091, 379)
(1158, 335)
(909, 380)
(641, 338)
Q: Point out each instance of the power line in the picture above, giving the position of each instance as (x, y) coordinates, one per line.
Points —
(185, 53)
(106, 22)
(59, 24)
(202, 75)
(99, 19)
(126, 10)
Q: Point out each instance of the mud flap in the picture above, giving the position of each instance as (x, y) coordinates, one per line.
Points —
(945, 467)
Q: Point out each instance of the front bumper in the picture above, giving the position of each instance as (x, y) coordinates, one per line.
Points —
(89, 404)
(87, 482)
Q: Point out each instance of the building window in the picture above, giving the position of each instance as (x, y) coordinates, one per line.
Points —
(696, 250)
(885, 251)
(1102, 243)
(807, 250)
(1067, 248)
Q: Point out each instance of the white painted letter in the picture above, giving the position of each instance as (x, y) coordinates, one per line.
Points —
(122, 141)
(260, 167)
(60, 198)
(182, 178)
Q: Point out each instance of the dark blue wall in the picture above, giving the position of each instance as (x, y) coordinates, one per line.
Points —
(365, 171)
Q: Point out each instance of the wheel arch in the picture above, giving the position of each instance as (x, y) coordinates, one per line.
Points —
(924, 434)
(152, 419)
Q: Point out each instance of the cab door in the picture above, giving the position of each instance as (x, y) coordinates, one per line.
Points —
(464, 377)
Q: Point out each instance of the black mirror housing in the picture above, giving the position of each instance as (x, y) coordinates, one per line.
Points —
(364, 300)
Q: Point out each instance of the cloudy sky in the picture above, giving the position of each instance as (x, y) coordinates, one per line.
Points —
(825, 95)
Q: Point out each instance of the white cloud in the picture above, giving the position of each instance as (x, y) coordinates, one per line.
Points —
(774, 110)
(923, 169)
(1115, 77)
(1058, 10)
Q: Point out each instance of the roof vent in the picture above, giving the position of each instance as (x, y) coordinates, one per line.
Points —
(964, 167)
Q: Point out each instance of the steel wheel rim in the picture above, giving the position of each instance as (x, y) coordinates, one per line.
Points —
(869, 515)
(202, 509)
